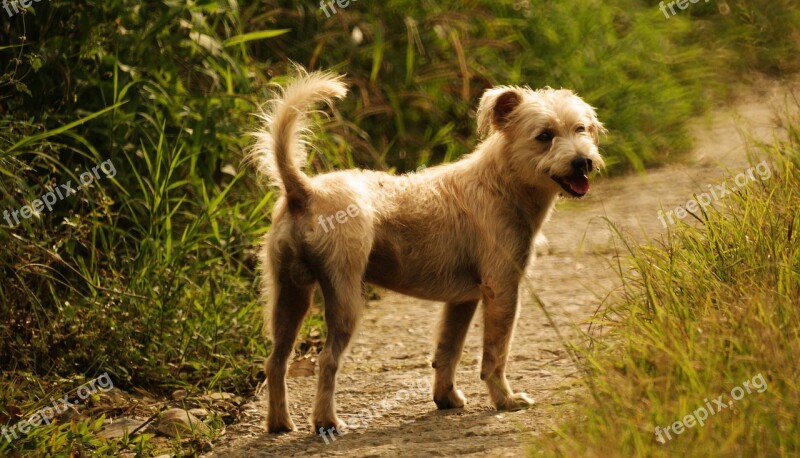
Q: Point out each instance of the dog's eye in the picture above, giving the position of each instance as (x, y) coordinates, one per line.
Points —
(545, 137)
(580, 129)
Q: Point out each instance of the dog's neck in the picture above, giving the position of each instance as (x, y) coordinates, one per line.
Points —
(531, 202)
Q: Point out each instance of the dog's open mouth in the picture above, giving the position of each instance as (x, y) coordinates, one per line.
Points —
(575, 185)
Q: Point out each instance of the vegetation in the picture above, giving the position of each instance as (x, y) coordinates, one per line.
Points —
(149, 274)
(713, 306)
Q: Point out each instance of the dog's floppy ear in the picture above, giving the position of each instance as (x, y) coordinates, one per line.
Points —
(495, 108)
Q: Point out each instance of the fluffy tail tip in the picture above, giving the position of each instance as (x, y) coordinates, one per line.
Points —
(286, 112)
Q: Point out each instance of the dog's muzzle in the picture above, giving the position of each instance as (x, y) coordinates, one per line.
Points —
(576, 184)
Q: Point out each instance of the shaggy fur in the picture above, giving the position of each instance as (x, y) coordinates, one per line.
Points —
(459, 233)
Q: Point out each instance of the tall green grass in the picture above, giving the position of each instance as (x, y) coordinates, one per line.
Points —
(714, 305)
(149, 274)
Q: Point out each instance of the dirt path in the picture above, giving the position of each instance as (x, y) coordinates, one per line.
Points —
(389, 365)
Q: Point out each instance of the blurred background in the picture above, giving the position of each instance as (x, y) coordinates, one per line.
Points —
(150, 274)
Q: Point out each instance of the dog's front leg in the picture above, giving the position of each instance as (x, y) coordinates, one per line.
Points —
(456, 318)
(500, 315)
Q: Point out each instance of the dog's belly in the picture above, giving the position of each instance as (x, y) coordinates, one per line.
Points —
(419, 274)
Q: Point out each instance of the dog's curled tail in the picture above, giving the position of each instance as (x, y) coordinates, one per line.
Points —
(280, 147)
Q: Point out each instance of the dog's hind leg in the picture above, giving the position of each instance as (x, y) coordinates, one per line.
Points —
(291, 303)
(343, 301)
(500, 314)
(456, 318)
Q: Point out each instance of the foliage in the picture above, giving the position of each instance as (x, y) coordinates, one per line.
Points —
(147, 272)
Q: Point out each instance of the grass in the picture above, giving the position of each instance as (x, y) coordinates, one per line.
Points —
(714, 305)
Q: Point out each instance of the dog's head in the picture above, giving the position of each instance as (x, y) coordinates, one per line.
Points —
(551, 136)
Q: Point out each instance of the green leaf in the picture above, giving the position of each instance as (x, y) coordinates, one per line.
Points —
(36, 62)
(260, 35)
(22, 87)
(62, 129)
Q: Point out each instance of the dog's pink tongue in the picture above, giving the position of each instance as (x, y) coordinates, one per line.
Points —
(579, 185)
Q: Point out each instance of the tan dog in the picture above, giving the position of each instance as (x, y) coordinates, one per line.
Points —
(457, 233)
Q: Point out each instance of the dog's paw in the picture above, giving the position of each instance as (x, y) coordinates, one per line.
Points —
(453, 399)
(285, 425)
(517, 401)
(328, 423)
(541, 245)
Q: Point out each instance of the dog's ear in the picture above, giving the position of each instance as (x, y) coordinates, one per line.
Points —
(495, 108)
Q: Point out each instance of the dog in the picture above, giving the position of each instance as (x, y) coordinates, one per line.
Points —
(460, 233)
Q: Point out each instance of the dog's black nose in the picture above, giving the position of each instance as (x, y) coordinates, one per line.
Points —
(582, 164)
